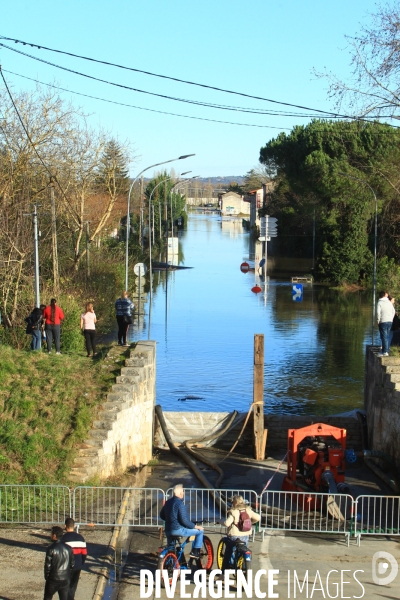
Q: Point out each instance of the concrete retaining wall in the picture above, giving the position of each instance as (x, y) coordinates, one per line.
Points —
(382, 403)
(122, 433)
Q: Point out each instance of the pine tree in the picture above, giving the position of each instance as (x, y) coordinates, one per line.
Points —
(113, 169)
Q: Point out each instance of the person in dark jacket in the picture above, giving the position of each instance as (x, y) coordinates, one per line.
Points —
(77, 542)
(177, 522)
(58, 566)
(124, 308)
(33, 327)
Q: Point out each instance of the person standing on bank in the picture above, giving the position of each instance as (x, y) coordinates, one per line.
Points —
(33, 327)
(384, 315)
(58, 566)
(124, 308)
(76, 541)
(53, 316)
(88, 326)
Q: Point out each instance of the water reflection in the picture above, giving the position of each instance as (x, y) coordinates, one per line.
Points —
(204, 320)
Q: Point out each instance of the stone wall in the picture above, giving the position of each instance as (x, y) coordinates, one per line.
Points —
(382, 403)
(122, 434)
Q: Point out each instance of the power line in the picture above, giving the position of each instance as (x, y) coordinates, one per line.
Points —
(141, 107)
(56, 87)
(193, 102)
(29, 137)
(138, 90)
(210, 87)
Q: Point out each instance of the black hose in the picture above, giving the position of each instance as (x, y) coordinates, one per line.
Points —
(185, 457)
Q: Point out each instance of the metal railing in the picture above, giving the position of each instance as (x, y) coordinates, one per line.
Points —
(211, 506)
(310, 512)
(102, 506)
(35, 504)
(377, 515)
(307, 512)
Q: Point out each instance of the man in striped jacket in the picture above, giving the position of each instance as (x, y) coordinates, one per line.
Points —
(76, 541)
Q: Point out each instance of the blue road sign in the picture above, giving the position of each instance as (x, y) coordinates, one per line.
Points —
(297, 292)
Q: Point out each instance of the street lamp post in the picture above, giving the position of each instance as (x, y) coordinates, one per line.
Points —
(128, 216)
(375, 241)
(177, 184)
(150, 257)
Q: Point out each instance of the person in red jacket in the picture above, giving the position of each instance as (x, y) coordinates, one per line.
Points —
(53, 316)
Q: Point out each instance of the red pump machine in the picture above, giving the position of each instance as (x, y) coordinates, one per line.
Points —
(316, 459)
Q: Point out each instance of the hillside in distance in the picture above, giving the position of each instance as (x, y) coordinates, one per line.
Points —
(220, 180)
(224, 180)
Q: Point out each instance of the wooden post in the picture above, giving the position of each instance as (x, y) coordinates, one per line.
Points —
(258, 397)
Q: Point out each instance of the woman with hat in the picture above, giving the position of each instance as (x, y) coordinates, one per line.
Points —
(239, 523)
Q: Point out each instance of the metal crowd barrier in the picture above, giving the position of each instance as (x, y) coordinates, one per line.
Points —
(211, 506)
(307, 512)
(35, 504)
(140, 507)
(102, 506)
(377, 515)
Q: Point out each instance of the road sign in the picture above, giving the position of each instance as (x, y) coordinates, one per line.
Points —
(140, 269)
(245, 267)
(297, 292)
(268, 227)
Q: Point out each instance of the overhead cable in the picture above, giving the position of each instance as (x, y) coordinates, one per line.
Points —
(162, 112)
(203, 85)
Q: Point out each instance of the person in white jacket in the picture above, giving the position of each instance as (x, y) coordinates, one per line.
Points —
(384, 315)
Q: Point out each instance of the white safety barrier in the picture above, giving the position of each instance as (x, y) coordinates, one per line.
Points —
(377, 515)
(123, 506)
(210, 506)
(307, 512)
(310, 512)
(35, 504)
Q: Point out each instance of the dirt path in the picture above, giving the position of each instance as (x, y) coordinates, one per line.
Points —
(22, 552)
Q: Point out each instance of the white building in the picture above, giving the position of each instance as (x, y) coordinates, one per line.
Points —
(233, 204)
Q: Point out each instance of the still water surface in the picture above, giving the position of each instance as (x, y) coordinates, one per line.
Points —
(204, 320)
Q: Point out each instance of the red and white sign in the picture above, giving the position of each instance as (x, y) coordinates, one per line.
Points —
(245, 267)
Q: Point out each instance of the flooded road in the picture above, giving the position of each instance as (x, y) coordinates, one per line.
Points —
(204, 320)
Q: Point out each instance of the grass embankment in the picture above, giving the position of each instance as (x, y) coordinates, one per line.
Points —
(47, 405)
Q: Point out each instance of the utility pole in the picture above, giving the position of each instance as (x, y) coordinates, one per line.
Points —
(56, 276)
(36, 255)
(166, 222)
(141, 228)
(87, 252)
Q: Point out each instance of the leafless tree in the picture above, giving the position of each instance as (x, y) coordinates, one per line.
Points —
(374, 87)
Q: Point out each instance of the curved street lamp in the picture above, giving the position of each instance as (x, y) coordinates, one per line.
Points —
(150, 258)
(375, 239)
(128, 216)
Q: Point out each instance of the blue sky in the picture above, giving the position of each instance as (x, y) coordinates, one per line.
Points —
(258, 47)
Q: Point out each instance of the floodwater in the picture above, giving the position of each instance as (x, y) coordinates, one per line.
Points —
(204, 320)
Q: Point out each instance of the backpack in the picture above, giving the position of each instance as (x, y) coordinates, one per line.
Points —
(244, 523)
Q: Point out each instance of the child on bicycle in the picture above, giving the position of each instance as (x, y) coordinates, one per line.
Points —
(239, 523)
